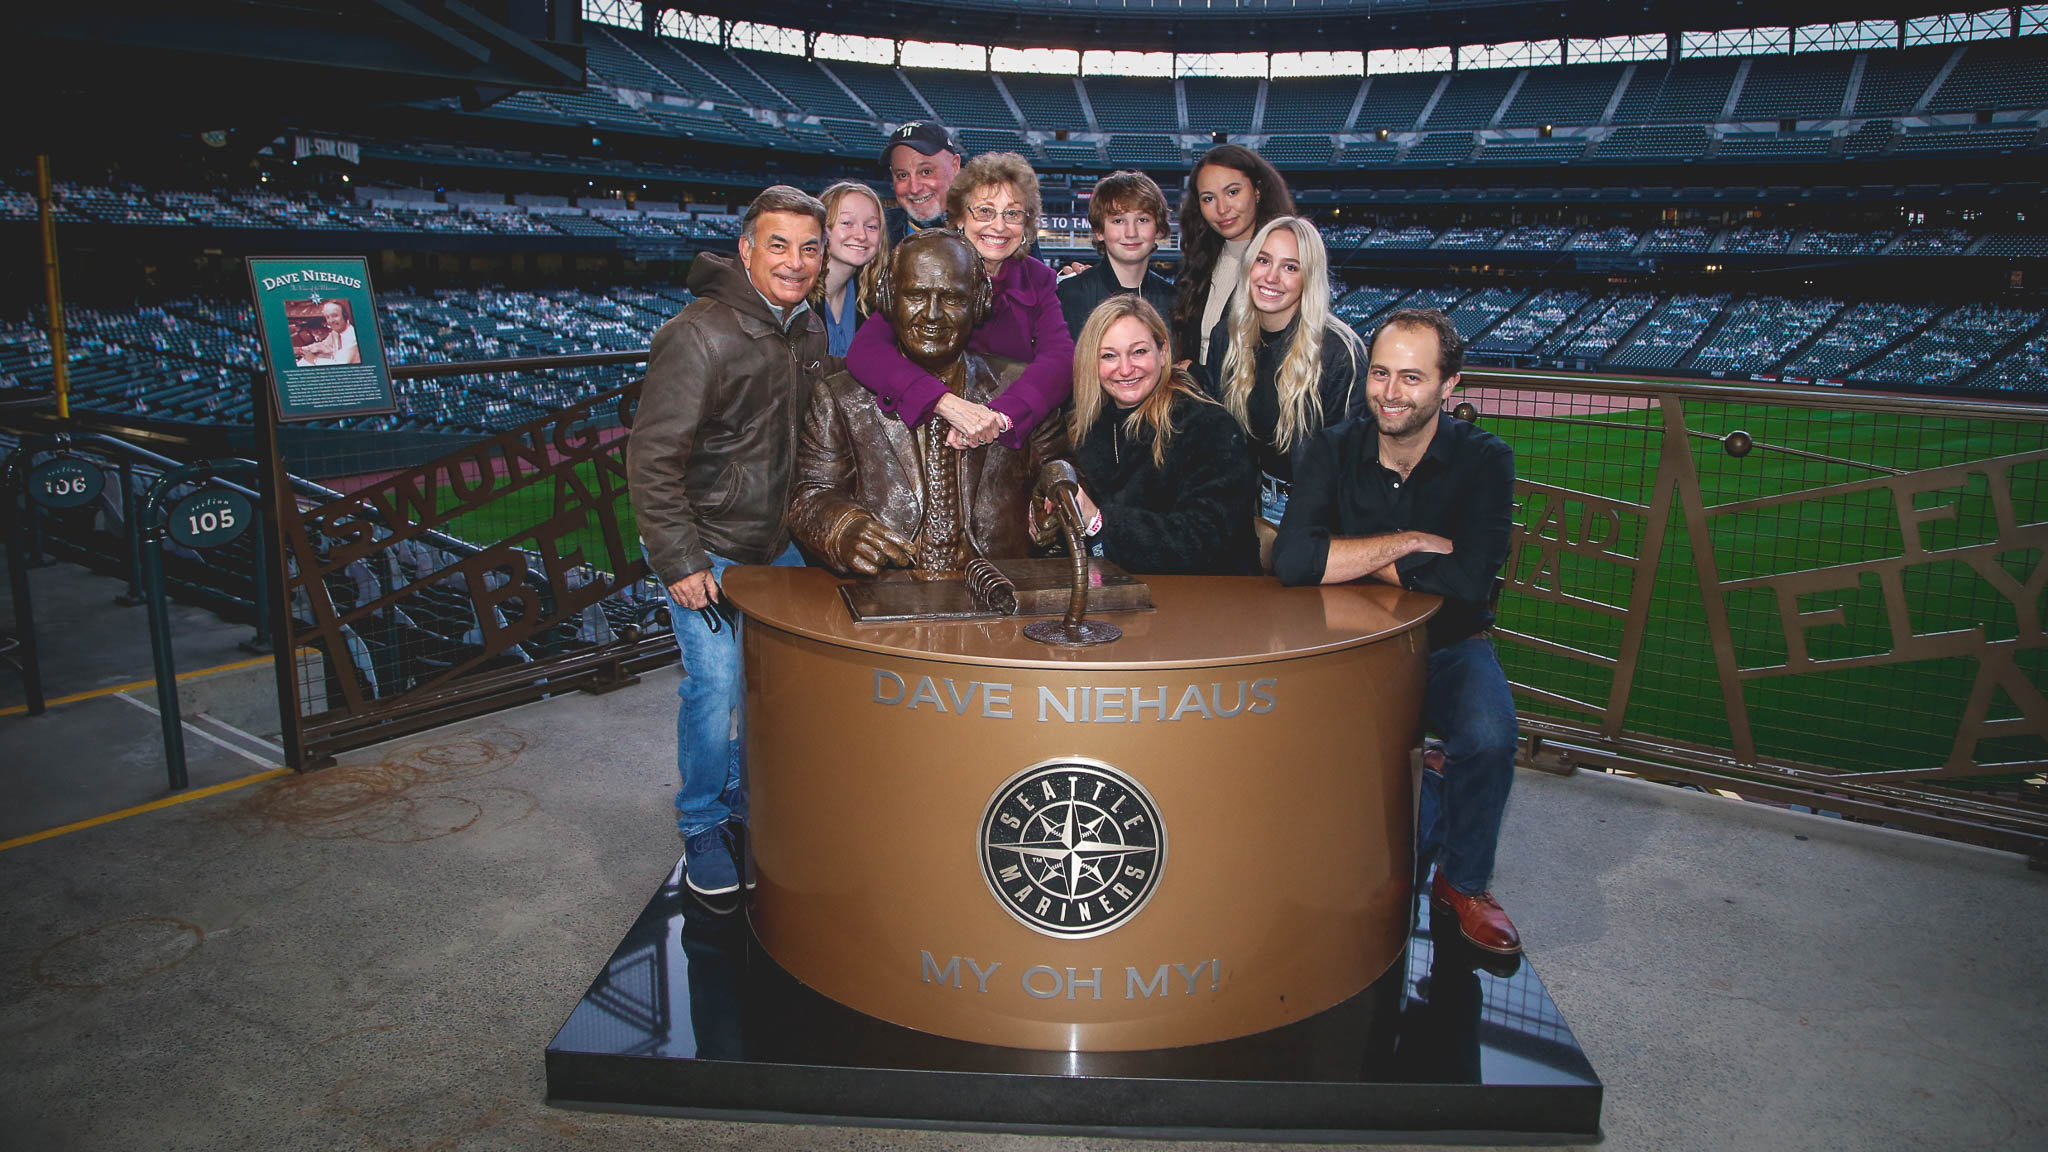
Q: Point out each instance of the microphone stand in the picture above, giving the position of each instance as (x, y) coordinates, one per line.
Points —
(1059, 483)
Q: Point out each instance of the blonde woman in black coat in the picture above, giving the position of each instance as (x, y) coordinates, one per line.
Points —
(1168, 484)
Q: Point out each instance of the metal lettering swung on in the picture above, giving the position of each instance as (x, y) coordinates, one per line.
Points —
(534, 578)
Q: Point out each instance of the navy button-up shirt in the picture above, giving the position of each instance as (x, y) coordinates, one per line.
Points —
(1462, 489)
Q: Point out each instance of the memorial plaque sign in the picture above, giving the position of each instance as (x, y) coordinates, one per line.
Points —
(316, 318)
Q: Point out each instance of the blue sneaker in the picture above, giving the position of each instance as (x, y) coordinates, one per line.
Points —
(707, 863)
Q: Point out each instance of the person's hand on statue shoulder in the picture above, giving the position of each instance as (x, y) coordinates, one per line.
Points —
(697, 590)
(870, 547)
(972, 424)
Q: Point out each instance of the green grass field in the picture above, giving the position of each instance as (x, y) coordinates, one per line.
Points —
(1893, 716)
(515, 515)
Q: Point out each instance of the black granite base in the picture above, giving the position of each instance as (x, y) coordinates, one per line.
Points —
(691, 1016)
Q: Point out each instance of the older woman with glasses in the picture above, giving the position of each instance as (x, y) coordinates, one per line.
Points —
(995, 202)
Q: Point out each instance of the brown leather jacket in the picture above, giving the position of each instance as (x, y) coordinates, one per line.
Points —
(853, 458)
(713, 446)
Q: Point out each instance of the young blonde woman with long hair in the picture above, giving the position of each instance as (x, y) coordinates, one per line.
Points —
(1284, 365)
(856, 253)
(1168, 485)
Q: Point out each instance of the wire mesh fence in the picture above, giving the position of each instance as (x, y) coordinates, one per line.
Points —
(1840, 584)
(502, 568)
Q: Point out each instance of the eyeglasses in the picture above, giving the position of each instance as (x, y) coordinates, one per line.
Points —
(987, 214)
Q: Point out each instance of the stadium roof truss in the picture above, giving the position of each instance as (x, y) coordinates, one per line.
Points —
(202, 62)
(1276, 25)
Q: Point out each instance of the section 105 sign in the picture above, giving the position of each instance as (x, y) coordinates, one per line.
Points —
(210, 518)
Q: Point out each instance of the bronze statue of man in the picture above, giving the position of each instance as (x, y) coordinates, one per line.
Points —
(871, 493)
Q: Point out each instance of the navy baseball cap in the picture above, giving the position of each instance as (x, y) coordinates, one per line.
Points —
(927, 136)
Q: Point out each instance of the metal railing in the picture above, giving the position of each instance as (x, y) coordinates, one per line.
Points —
(122, 473)
(497, 574)
(1813, 596)
(1827, 598)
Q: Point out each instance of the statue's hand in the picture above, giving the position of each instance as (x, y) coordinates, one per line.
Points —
(871, 547)
(1044, 523)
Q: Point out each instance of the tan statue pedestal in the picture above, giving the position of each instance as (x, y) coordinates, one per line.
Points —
(1200, 831)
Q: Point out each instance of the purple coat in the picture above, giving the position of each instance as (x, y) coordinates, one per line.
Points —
(1024, 324)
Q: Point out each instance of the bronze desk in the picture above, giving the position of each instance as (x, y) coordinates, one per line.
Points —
(1200, 831)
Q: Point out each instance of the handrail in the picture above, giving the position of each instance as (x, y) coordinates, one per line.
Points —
(1796, 395)
(151, 529)
(440, 539)
(1751, 392)
(13, 494)
(144, 563)
(515, 364)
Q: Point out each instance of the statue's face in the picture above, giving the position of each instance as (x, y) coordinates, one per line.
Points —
(932, 304)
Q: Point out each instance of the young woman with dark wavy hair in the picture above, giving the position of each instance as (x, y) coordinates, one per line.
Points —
(1231, 192)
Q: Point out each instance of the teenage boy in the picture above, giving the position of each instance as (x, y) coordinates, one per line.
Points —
(1127, 214)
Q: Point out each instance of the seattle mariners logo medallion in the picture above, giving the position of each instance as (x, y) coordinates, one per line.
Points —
(1072, 847)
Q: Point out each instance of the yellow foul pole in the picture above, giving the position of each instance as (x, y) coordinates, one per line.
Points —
(60, 367)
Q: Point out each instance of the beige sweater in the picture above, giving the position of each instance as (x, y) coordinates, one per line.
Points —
(1222, 284)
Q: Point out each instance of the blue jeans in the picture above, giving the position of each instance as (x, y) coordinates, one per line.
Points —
(1273, 497)
(1468, 704)
(709, 726)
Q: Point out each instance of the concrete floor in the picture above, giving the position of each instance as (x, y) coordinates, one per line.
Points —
(90, 641)
(375, 957)
(103, 751)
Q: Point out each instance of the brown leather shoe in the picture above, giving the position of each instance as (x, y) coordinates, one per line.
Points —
(1480, 919)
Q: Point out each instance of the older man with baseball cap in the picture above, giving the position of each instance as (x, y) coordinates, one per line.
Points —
(922, 157)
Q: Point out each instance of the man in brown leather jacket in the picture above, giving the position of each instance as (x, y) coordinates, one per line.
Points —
(872, 493)
(710, 460)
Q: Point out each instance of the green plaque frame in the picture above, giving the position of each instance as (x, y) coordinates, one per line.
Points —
(316, 317)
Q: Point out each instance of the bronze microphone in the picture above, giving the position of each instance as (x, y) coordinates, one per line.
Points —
(1060, 484)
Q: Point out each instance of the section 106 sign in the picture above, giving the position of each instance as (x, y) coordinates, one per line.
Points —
(210, 518)
(66, 482)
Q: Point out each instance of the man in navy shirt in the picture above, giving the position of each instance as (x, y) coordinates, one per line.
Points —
(1408, 496)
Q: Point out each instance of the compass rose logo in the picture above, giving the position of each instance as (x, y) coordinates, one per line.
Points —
(1072, 847)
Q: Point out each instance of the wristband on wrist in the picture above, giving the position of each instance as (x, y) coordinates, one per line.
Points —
(1095, 525)
(1006, 421)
